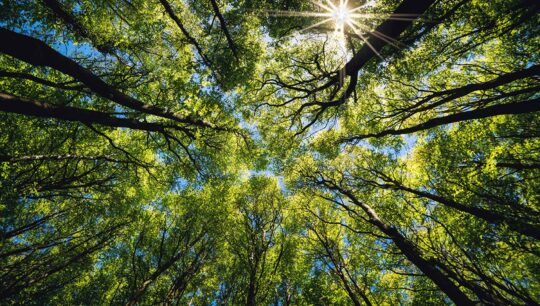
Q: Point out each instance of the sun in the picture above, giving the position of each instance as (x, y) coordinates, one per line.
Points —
(335, 12)
(353, 22)
(341, 15)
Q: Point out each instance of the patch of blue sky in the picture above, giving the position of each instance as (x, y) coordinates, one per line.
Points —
(410, 143)
(180, 184)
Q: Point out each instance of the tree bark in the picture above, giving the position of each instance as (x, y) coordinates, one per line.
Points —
(522, 107)
(28, 107)
(224, 28)
(390, 29)
(251, 290)
(35, 52)
(455, 93)
(411, 252)
(525, 228)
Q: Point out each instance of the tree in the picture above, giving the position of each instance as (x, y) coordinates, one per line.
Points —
(278, 152)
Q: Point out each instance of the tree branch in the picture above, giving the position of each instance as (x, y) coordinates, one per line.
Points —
(521, 107)
(224, 28)
(35, 52)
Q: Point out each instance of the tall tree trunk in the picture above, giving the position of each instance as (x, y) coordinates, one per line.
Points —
(251, 296)
(390, 29)
(518, 225)
(522, 107)
(35, 52)
(413, 254)
(29, 107)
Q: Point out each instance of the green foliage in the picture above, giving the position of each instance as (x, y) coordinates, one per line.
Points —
(208, 153)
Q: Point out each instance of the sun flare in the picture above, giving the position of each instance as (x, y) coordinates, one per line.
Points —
(341, 15)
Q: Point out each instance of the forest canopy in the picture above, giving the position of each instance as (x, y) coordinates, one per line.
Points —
(269, 152)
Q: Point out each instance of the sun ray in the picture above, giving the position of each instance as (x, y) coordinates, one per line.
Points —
(332, 5)
(359, 33)
(348, 19)
(379, 35)
(316, 25)
(278, 13)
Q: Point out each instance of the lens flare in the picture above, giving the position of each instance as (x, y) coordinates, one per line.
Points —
(347, 21)
(342, 16)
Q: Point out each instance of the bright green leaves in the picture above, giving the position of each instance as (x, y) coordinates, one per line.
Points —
(251, 168)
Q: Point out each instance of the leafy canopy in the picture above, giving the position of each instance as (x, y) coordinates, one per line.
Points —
(242, 152)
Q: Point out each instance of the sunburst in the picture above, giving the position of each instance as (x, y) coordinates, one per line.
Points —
(346, 20)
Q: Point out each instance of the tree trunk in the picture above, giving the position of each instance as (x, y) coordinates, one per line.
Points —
(28, 107)
(522, 107)
(525, 228)
(35, 52)
(251, 301)
(428, 267)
